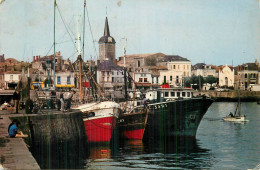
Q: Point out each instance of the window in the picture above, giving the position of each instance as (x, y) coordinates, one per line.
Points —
(138, 63)
(113, 80)
(184, 74)
(173, 66)
(187, 66)
(140, 80)
(188, 94)
(157, 81)
(164, 79)
(178, 66)
(178, 94)
(107, 72)
(170, 78)
(177, 79)
(11, 77)
(145, 79)
(122, 73)
(117, 73)
(172, 94)
(245, 75)
(166, 94)
(184, 67)
(68, 80)
(112, 73)
(183, 94)
(58, 80)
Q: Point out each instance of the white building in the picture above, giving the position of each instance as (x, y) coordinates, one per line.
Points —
(226, 76)
(178, 68)
(11, 79)
(64, 79)
(201, 69)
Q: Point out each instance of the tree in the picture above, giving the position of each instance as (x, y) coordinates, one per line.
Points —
(211, 80)
(150, 61)
(187, 82)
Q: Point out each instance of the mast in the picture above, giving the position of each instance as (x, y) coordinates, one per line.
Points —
(134, 93)
(54, 55)
(239, 103)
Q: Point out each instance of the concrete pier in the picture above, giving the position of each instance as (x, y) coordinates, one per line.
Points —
(14, 153)
(48, 132)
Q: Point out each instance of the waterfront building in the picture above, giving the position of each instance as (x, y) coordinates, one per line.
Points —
(201, 69)
(178, 68)
(11, 79)
(226, 76)
(111, 78)
(43, 68)
(249, 76)
(134, 61)
(64, 79)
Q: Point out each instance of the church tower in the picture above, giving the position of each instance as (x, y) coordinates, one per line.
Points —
(107, 45)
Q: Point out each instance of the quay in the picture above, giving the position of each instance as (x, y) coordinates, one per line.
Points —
(14, 153)
(231, 95)
(45, 129)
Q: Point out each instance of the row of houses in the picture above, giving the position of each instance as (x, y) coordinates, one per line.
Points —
(146, 70)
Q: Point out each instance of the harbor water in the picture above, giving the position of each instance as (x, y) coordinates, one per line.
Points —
(218, 145)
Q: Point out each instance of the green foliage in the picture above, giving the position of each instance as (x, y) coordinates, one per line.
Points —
(151, 61)
(211, 80)
(198, 80)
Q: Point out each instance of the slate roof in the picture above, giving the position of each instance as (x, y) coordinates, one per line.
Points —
(108, 65)
(106, 35)
(168, 58)
(198, 66)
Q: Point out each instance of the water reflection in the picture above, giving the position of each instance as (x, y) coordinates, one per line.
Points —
(60, 155)
(136, 154)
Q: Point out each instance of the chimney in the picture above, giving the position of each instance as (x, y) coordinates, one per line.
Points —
(33, 59)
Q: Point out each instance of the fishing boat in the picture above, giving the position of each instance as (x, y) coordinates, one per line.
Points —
(132, 124)
(237, 116)
(174, 112)
(99, 119)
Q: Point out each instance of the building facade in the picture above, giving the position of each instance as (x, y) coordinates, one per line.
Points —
(248, 75)
(11, 79)
(178, 68)
(226, 76)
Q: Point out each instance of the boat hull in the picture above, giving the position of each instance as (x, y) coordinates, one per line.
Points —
(172, 119)
(100, 129)
(132, 125)
(235, 119)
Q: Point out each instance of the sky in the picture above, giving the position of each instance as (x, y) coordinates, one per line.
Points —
(216, 32)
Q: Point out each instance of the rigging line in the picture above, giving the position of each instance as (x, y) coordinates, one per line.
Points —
(93, 41)
(62, 37)
(66, 27)
(84, 19)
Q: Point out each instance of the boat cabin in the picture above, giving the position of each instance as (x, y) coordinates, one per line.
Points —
(166, 94)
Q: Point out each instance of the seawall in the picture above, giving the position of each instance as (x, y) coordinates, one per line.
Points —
(231, 95)
(53, 136)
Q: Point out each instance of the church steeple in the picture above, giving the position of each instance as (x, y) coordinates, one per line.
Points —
(106, 30)
(107, 45)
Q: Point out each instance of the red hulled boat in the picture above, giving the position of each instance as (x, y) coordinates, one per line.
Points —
(99, 120)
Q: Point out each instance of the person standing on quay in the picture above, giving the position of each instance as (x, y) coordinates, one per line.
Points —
(16, 98)
(69, 100)
(62, 101)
